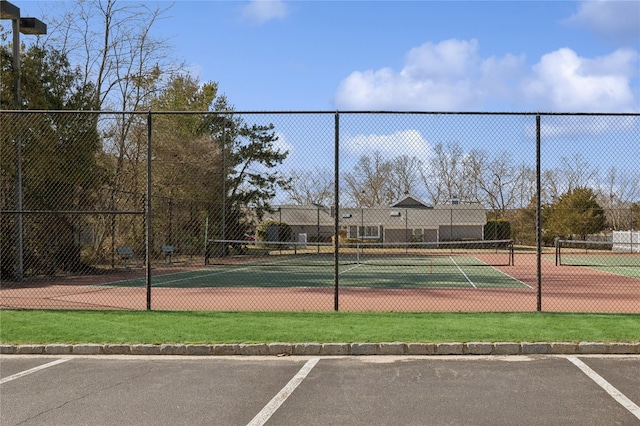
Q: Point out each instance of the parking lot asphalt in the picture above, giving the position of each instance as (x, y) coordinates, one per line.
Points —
(297, 390)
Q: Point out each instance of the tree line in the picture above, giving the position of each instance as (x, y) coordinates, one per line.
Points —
(576, 199)
(101, 56)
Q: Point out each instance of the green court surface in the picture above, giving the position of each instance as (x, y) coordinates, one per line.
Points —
(440, 272)
(625, 271)
(626, 265)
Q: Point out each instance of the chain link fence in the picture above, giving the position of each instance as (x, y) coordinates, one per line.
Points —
(359, 211)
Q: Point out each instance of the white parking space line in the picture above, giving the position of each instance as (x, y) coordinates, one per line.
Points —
(615, 393)
(265, 414)
(33, 370)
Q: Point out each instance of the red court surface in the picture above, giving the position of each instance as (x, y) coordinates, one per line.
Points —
(564, 289)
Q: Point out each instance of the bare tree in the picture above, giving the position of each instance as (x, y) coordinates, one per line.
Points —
(111, 41)
(369, 185)
(551, 185)
(405, 175)
(444, 177)
(578, 172)
(376, 181)
(617, 195)
(311, 187)
(496, 180)
(472, 178)
(476, 177)
(526, 186)
(574, 172)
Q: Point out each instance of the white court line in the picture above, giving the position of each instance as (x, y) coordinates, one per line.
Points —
(226, 271)
(615, 393)
(513, 278)
(352, 268)
(33, 370)
(265, 414)
(462, 272)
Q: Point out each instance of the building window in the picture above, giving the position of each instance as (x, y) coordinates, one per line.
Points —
(364, 232)
(368, 232)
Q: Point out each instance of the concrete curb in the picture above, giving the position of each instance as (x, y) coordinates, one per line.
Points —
(328, 349)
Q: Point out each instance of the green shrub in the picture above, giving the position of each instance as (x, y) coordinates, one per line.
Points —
(497, 229)
(285, 233)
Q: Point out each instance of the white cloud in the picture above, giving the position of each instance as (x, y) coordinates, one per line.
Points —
(261, 11)
(389, 145)
(452, 76)
(449, 75)
(615, 21)
(282, 144)
(564, 81)
(577, 126)
(450, 58)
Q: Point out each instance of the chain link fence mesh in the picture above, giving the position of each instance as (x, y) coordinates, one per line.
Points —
(320, 211)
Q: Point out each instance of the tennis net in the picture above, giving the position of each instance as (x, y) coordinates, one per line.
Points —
(595, 253)
(429, 254)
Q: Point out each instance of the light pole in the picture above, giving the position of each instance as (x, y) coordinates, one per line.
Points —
(25, 26)
(22, 25)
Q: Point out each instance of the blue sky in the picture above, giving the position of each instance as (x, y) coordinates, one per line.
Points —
(550, 56)
(506, 56)
(566, 56)
(414, 55)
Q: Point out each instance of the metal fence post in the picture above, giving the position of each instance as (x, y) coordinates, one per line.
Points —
(148, 227)
(223, 229)
(19, 207)
(336, 218)
(538, 217)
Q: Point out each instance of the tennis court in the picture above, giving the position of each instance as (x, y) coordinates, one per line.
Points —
(453, 277)
(605, 265)
(613, 258)
(365, 266)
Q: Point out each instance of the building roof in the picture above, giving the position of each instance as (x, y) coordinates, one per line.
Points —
(397, 216)
(409, 201)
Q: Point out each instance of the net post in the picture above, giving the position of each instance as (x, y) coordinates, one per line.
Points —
(512, 252)
(206, 240)
(556, 243)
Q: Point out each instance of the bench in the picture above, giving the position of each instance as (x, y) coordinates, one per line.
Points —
(125, 254)
(168, 252)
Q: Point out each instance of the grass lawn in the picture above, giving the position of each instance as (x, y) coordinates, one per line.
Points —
(130, 327)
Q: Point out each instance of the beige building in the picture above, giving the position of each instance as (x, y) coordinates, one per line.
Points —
(408, 220)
